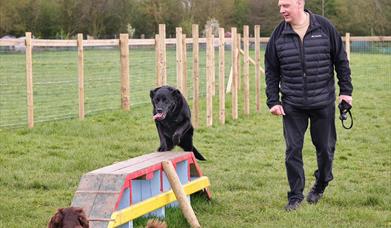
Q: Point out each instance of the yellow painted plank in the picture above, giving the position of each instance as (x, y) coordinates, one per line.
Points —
(146, 206)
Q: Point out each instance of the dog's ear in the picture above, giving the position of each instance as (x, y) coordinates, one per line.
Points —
(82, 217)
(153, 91)
(176, 93)
(56, 220)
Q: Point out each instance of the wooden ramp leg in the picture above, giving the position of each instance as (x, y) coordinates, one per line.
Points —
(180, 194)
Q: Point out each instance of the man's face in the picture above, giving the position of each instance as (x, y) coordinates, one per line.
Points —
(290, 9)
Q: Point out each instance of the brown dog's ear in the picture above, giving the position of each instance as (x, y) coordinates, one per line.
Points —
(56, 220)
(82, 217)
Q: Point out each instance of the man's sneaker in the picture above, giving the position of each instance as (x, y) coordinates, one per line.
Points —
(316, 193)
(293, 204)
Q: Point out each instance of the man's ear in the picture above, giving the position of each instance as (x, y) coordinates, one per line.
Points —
(152, 92)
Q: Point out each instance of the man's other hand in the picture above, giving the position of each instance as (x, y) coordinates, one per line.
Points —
(277, 110)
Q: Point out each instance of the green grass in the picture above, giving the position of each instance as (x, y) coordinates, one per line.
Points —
(40, 168)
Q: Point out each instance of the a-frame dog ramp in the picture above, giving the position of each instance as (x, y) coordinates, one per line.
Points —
(115, 195)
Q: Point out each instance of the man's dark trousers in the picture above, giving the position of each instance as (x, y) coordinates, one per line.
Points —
(323, 135)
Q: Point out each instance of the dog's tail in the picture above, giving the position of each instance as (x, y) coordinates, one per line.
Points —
(198, 155)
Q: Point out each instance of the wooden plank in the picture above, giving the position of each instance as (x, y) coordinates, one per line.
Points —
(221, 76)
(261, 39)
(252, 61)
(196, 77)
(96, 43)
(146, 164)
(229, 83)
(184, 67)
(134, 211)
(209, 91)
(180, 194)
(163, 55)
(347, 45)
(141, 42)
(80, 70)
(246, 70)
(12, 42)
(124, 58)
(235, 64)
(29, 80)
(54, 43)
(239, 76)
(257, 68)
(179, 58)
(157, 65)
(369, 38)
(213, 65)
(137, 160)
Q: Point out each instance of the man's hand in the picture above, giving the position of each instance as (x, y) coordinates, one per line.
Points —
(277, 110)
(346, 98)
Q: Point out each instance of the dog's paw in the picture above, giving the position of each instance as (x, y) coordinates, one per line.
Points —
(176, 139)
(162, 148)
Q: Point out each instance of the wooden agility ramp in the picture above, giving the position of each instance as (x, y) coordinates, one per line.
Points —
(115, 195)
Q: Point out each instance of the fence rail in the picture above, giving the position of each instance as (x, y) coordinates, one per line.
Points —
(227, 57)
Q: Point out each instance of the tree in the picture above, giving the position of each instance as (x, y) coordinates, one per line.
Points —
(265, 14)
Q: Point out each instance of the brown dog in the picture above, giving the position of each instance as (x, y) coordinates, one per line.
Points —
(155, 223)
(70, 217)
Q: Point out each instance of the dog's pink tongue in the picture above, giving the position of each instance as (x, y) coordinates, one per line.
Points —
(158, 116)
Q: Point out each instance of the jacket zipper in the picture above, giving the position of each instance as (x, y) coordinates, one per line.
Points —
(301, 45)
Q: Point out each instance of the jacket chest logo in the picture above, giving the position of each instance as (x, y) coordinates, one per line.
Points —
(316, 36)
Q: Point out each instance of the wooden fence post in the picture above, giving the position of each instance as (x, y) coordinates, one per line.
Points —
(221, 76)
(196, 76)
(179, 59)
(246, 81)
(235, 63)
(184, 66)
(213, 75)
(80, 65)
(209, 68)
(257, 65)
(124, 50)
(157, 67)
(347, 45)
(239, 77)
(29, 80)
(162, 54)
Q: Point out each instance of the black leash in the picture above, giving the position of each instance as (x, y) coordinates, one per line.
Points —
(344, 109)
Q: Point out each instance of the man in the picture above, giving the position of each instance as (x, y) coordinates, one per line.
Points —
(299, 60)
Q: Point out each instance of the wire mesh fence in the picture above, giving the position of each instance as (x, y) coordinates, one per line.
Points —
(55, 76)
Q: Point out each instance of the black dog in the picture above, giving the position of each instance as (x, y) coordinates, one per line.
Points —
(173, 120)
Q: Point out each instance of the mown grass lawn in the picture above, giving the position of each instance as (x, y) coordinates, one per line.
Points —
(40, 168)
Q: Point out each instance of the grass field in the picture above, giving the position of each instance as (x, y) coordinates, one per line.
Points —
(40, 168)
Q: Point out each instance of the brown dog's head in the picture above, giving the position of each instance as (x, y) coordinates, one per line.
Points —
(70, 217)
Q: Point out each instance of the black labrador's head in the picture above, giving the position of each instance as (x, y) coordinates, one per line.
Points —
(70, 217)
(165, 100)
